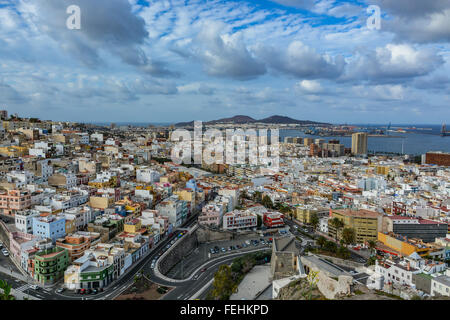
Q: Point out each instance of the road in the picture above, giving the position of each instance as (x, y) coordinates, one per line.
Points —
(185, 290)
(110, 292)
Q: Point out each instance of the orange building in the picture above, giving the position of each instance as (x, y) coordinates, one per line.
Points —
(76, 245)
(12, 201)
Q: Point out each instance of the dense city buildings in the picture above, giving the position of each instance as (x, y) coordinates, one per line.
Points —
(86, 206)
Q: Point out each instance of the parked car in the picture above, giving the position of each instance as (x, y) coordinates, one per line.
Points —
(89, 291)
(223, 249)
(230, 248)
(153, 265)
(60, 290)
(247, 242)
(211, 251)
(5, 252)
(1, 245)
(94, 291)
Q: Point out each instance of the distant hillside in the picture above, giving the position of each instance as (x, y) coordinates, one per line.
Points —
(241, 119)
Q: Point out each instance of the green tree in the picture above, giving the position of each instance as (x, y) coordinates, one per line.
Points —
(321, 241)
(348, 235)
(259, 220)
(372, 245)
(223, 285)
(257, 196)
(267, 202)
(337, 224)
(330, 246)
(6, 291)
(343, 252)
(314, 220)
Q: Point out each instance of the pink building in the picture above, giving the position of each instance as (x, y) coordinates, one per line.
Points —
(12, 201)
(19, 244)
(211, 215)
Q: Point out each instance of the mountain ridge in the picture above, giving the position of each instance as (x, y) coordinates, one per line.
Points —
(243, 119)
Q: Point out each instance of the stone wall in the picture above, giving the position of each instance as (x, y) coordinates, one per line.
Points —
(4, 234)
(327, 283)
(205, 234)
(182, 248)
(342, 262)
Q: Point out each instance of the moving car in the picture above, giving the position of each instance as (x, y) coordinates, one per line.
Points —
(34, 287)
(195, 277)
(60, 290)
(203, 270)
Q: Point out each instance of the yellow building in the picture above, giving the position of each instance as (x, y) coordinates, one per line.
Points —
(400, 245)
(359, 143)
(304, 214)
(365, 223)
(186, 195)
(132, 226)
(101, 202)
(384, 170)
(13, 151)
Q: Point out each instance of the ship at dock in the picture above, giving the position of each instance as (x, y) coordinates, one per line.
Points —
(444, 132)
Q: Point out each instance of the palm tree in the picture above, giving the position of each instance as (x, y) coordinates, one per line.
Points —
(372, 244)
(314, 221)
(6, 288)
(337, 224)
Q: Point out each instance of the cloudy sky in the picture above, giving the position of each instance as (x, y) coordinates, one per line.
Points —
(180, 60)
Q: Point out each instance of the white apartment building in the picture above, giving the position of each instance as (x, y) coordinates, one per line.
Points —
(237, 219)
(81, 215)
(69, 200)
(174, 209)
(233, 192)
(323, 225)
(24, 220)
(20, 178)
(440, 286)
(98, 137)
(147, 175)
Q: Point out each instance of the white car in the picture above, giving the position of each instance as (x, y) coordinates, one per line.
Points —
(34, 287)
(5, 252)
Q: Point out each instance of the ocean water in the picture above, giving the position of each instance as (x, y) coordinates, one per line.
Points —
(414, 142)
